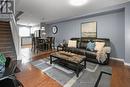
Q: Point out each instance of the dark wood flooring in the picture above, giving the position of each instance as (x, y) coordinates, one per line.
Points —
(120, 74)
(33, 77)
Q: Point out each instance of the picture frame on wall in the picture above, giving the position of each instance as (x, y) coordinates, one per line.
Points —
(89, 29)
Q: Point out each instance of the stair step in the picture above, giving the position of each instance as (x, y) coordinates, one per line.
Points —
(3, 38)
(9, 55)
(9, 42)
(5, 29)
(4, 22)
(6, 40)
(12, 57)
(6, 52)
(9, 38)
(4, 26)
(5, 32)
(5, 35)
(6, 47)
(2, 34)
(2, 49)
(6, 44)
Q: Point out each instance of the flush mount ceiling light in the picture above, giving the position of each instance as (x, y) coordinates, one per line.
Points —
(78, 2)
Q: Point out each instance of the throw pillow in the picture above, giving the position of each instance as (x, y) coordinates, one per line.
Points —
(2, 59)
(99, 46)
(72, 43)
(90, 46)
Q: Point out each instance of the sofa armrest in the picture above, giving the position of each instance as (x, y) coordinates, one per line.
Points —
(107, 49)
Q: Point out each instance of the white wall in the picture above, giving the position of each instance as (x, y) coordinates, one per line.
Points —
(127, 33)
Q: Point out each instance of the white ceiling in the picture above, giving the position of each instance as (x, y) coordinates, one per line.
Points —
(53, 10)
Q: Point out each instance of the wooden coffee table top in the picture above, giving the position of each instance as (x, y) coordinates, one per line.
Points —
(69, 56)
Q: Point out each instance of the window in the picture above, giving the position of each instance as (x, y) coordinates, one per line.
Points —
(24, 31)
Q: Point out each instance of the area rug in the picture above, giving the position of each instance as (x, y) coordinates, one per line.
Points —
(93, 76)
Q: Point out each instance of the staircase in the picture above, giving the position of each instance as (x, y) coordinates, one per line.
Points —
(6, 40)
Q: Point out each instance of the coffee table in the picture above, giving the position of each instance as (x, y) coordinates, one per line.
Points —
(69, 60)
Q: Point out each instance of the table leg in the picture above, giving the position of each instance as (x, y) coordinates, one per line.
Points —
(77, 70)
(85, 64)
(50, 59)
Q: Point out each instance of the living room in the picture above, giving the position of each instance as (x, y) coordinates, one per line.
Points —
(65, 22)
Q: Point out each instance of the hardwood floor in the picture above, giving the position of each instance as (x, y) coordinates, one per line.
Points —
(120, 74)
(33, 77)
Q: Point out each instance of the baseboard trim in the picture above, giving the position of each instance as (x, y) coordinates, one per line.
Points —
(120, 59)
(127, 64)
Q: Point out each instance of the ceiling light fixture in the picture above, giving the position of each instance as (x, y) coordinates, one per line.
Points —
(78, 2)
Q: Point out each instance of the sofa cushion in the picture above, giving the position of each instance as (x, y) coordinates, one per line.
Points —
(90, 46)
(81, 51)
(90, 54)
(2, 59)
(72, 43)
(99, 46)
(83, 45)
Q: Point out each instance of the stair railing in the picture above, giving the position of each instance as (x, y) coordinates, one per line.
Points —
(15, 35)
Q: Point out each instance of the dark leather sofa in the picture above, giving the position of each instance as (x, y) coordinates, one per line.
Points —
(81, 49)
